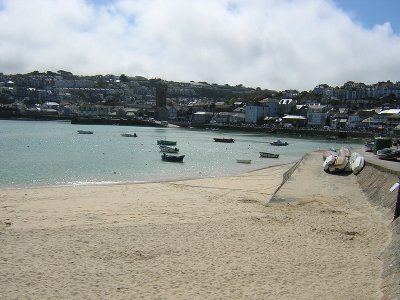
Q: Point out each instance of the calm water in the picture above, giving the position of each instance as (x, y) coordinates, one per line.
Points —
(34, 153)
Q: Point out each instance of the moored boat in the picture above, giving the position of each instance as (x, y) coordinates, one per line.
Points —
(168, 149)
(172, 158)
(279, 143)
(269, 155)
(224, 140)
(129, 134)
(85, 132)
(244, 161)
(166, 142)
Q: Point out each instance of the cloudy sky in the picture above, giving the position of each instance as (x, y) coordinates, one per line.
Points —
(272, 44)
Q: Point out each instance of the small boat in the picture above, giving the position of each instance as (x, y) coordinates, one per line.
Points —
(329, 160)
(165, 142)
(356, 162)
(344, 151)
(244, 161)
(269, 155)
(279, 143)
(129, 134)
(327, 153)
(172, 158)
(85, 132)
(388, 154)
(224, 140)
(168, 149)
(341, 164)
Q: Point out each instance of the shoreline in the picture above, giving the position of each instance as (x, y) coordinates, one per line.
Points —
(94, 184)
(202, 238)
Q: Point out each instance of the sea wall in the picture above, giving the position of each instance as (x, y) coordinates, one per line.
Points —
(375, 181)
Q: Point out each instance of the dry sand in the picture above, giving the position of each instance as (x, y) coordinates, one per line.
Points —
(319, 238)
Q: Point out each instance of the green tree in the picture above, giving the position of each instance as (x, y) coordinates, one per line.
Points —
(123, 78)
(5, 99)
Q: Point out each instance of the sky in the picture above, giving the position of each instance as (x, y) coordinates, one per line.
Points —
(271, 44)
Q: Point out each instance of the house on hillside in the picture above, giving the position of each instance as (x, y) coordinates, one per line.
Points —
(317, 115)
(201, 118)
(91, 111)
(255, 113)
(294, 121)
(390, 117)
(222, 107)
(287, 106)
(131, 113)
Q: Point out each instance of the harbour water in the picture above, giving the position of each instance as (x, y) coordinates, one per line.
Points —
(51, 153)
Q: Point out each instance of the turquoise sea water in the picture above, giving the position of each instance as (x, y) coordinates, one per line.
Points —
(36, 153)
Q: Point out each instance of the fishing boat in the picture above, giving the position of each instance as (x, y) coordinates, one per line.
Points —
(172, 158)
(166, 143)
(168, 149)
(129, 134)
(279, 143)
(85, 132)
(269, 155)
(244, 161)
(224, 140)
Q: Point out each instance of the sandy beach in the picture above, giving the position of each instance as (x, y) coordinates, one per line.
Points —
(217, 238)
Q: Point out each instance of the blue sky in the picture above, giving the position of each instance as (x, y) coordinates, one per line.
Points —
(371, 12)
(272, 44)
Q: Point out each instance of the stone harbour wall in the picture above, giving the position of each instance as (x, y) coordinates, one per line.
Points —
(375, 181)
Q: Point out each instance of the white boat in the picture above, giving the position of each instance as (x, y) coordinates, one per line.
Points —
(356, 162)
(330, 160)
(244, 161)
(168, 149)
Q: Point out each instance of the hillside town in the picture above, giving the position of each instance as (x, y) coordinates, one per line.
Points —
(108, 98)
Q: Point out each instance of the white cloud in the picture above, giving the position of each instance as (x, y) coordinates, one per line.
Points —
(275, 44)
